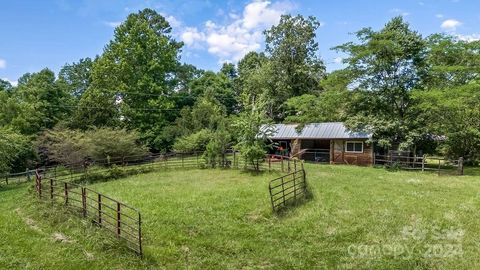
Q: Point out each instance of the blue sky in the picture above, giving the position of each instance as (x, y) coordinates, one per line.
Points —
(39, 34)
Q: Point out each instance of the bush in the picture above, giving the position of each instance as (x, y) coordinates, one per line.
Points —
(15, 151)
(105, 143)
(64, 146)
(215, 150)
(194, 142)
(74, 147)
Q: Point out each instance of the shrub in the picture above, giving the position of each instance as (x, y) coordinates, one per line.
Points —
(105, 143)
(63, 145)
(194, 142)
(215, 150)
(74, 147)
(15, 150)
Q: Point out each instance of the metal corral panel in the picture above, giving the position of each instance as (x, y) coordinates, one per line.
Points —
(331, 130)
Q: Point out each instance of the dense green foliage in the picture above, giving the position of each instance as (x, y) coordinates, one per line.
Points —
(15, 151)
(412, 92)
(75, 147)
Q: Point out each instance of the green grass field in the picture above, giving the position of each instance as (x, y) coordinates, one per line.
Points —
(358, 218)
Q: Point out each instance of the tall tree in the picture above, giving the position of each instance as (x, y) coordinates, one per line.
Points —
(453, 113)
(450, 101)
(329, 105)
(252, 130)
(37, 103)
(217, 85)
(5, 86)
(452, 62)
(76, 76)
(135, 73)
(229, 70)
(293, 51)
(385, 66)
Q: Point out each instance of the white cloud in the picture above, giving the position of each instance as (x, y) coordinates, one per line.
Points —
(192, 37)
(13, 83)
(174, 22)
(439, 15)
(231, 41)
(112, 24)
(468, 38)
(338, 60)
(399, 12)
(450, 24)
(3, 63)
(262, 13)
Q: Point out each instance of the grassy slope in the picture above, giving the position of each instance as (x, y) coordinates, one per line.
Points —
(222, 219)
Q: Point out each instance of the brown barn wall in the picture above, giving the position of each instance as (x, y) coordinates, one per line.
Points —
(342, 157)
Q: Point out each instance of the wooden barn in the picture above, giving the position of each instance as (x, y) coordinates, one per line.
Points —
(323, 142)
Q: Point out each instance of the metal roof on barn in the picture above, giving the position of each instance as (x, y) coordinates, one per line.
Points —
(331, 130)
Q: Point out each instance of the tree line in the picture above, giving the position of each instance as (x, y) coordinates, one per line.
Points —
(412, 92)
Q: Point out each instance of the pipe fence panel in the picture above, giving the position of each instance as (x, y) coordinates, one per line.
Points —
(422, 163)
(120, 219)
(287, 189)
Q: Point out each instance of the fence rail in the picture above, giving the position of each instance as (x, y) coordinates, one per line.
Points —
(74, 172)
(20, 177)
(287, 189)
(423, 163)
(119, 218)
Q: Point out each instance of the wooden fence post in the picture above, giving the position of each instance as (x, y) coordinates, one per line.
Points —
(283, 192)
(100, 209)
(423, 162)
(65, 187)
(271, 197)
(439, 164)
(51, 188)
(234, 158)
(288, 164)
(140, 234)
(84, 202)
(282, 162)
(294, 164)
(118, 219)
(269, 162)
(295, 185)
(40, 187)
(196, 155)
(460, 166)
(304, 182)
(6, 179)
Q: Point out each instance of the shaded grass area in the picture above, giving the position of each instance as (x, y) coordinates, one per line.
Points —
(222, 219)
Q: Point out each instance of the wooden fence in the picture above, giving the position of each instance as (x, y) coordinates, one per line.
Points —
(120, 219)
(287, 189)
(421, 163)
(16, 178)
(85, 170)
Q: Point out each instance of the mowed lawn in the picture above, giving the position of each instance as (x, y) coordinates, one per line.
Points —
(221, 219)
